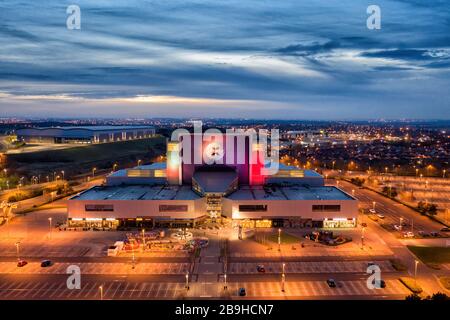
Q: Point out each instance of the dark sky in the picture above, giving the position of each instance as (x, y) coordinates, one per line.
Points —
(312, 59)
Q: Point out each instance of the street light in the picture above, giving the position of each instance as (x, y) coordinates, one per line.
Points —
(139, 162)
(18, 250)
(416, 262)
(101, 292)
(283, 278)
(374, 203)
(143, 239)
(362, 237)
(115, 166)
(93, 172)
(187, 280)
(401, 222)
(225, 287)
(279, 239)
(62, 172)
(50, 226)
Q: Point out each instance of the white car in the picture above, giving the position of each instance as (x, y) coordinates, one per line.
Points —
(372, 211)
(380, 216)
(397, 227)
(408, 234)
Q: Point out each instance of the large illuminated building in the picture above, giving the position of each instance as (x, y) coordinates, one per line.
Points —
(217, 181)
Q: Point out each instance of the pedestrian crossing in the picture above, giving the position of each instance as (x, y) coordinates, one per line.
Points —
(309, 267)
(90, 290)
(98, 268)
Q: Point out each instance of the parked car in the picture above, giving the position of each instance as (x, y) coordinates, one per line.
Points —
(380, 216)
(364, 225)
(397, 227)
(331, 283)
(260, 268)
(21, 263)
(434, 234)
(46, 263)
(423, 234)
(408, 234)
(242, 292)
(445, 229)
(372, 211)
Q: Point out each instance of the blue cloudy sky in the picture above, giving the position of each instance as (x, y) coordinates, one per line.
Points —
(302, 59)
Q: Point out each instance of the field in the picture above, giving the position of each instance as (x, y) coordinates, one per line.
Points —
(431, 254)
(77, 160)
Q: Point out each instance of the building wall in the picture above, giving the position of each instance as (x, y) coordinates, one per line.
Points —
(290, 208)
(59, 135)
(136, 208)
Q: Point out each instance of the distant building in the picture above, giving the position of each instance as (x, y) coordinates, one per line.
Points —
(176, 194)
(85, 134)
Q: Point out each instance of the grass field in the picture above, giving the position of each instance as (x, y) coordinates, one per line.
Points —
(92, 153)
(431, 254)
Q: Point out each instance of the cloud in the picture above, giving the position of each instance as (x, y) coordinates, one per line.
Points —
(289, 58)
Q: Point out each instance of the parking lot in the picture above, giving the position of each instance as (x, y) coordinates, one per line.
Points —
(97, 268)
(318, 288)
(44, 290)
(309, 267)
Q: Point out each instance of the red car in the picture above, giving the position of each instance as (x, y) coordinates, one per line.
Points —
(21, 263)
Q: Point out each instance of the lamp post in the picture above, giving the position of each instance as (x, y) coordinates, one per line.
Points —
(93, 172)
(187, 280)
(139, 162)
(362, 237)
(401, 222)
(50, 226)
(283, 278)
(101, 292)
(143, 239)
(373, 204)
(18, 250)
(62, 172)
(133, 262)
(279, 239)
(416, 262)
(443, 173)
(225, 287)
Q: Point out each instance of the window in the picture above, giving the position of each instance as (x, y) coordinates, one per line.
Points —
(173, 208)
(99, 207)
(252, 207)
(326, 207)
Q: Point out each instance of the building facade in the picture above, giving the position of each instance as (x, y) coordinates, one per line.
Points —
(84, 135)
(186, 193)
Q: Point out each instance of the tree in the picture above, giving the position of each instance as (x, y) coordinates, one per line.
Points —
(413, 297)
(390, 191)
(439, 296)
(427, 208)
